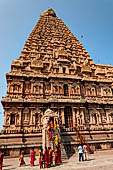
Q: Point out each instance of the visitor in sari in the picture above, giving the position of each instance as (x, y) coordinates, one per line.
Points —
(45, 158)
(40, 157)
(21, 159)
(32, 157)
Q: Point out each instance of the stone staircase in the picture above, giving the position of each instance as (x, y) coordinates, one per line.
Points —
(52, 142)
(60, 141)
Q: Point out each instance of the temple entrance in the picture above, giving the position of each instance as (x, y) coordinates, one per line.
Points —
(65, 90)
(51, 136)
(51, 119)
(48, 118)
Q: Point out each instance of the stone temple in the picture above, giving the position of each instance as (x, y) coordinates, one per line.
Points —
(54, 77)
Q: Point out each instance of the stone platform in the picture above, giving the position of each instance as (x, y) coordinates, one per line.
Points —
(101, 160)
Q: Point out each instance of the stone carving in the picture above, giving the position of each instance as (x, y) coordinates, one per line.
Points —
(55, 71)
(26, 116)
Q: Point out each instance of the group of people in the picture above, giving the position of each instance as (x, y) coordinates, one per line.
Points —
(83, 152)
(46, 157)
(52, 125)
(21, 158)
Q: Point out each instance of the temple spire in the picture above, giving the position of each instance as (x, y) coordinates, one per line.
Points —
(49, 12)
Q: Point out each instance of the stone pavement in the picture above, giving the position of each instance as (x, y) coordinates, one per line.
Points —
(101, 160)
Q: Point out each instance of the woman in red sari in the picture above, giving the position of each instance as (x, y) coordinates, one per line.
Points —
(32, 157)
(50, 132)
(1, 160)
(59, 155)
(45, 158)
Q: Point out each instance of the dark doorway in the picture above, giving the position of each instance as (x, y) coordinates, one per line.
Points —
(12, 122)
(51, 119)
(65, 90)
(68, 117)
(64, 70)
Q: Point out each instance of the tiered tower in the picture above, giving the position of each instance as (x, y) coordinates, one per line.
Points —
(54, 71)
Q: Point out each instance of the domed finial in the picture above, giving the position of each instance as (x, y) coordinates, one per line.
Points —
(49, 12)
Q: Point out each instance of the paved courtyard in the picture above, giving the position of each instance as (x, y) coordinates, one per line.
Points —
(101, 160)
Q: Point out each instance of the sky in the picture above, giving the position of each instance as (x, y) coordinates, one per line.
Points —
(91, 21)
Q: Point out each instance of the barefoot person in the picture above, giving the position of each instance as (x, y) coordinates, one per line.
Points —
(21, 159)
(32, 157)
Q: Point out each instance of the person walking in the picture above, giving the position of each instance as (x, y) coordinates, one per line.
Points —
(21, 159)
(32, 157)
(80, 151)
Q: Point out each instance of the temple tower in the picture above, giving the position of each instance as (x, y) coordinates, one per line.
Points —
(54, 71)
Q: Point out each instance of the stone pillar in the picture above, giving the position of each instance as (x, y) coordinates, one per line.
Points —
(101, 91)
(73, 112)
(31, 91)
(78, 116)
(44, 130)
(99, 116)
(21, 87)
(51, 87)
(62, 115)
(82, 113)
(69, 91)
(91, 118)
(5, 117)
(107, 115)
(9, 118)
(31, 117)
(8, 88)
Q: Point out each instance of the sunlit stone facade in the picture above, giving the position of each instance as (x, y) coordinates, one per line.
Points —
(55, 72)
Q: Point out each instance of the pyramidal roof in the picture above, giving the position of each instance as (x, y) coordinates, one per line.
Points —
(52, 48)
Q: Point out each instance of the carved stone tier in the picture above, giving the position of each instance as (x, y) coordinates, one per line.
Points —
(55, 72)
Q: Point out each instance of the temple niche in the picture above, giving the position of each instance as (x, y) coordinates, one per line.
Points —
(54, 71)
